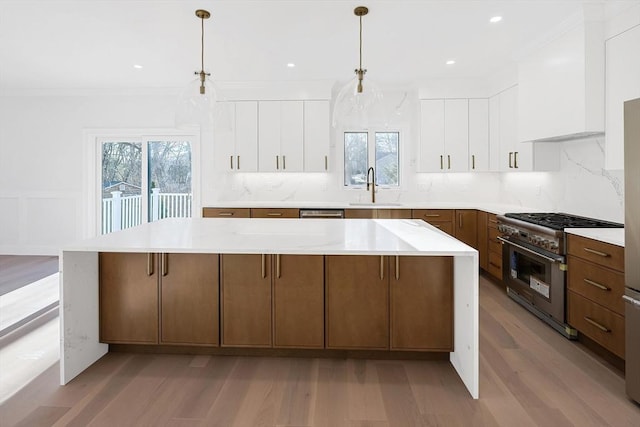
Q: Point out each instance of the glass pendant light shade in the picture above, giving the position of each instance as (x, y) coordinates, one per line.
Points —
(354, 109)
(196, 109)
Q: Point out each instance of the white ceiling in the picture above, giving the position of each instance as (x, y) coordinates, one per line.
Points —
(93, 44)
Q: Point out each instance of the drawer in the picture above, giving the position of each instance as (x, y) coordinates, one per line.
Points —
(598, 323)
(605, 254)
(225, 212)
(494, 244)
(588, 280)
(495, 265)
(447, 227)
(275, 213)
(492, 221)
(430, 215)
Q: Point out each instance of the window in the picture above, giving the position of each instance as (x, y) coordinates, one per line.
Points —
(359, 156)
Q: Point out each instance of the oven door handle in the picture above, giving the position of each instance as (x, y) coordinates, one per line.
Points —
(503, 240)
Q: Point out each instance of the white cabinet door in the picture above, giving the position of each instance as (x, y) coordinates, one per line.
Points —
(246, 136)
(495, 153)
(478, 135)
(456, 135)
(514, 155)
(316, 136)
(269, 136)
(431, 135)
(622, 84)
(224, 138)
(291, 135)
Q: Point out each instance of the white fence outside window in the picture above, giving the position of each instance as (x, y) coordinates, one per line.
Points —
(120, 212)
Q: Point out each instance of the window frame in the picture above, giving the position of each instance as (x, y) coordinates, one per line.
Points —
(371, 156)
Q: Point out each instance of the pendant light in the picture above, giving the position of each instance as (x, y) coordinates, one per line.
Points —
(359, 103)
(197, 101)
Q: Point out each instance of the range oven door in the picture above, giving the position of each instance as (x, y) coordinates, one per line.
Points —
(537, 277)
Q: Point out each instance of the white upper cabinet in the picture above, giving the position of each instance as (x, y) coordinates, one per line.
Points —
(316, 136)
(236, 137)
(561, 86)
(622, 84)
(507, 154)
(280, 136)
(478, 135)
(444, 137)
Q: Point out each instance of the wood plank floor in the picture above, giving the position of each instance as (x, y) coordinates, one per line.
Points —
(19, 270)
(529, 376)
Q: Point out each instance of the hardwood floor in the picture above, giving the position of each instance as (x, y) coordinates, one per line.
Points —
(19, 270)
(529, 376)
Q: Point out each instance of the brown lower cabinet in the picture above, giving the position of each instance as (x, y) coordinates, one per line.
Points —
(466, 226)
(159, 298)
(272, 300)
(382, 302)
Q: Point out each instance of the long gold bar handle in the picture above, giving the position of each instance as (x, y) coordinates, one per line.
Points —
(473, 161)
(274, 214)
(441, 164)
(597, 325)
(397, 267)
(448, 161)
(437, 225)
(225, 214)
(277, 162)
(381, 267)
(238, 162)
(149, 264)
(264, 266)
(515, 159)
(326, 163)
(460, 220)
(493, 221)
(284, 162)
(597, 285)
(165, 264)
(510, 159)
(431, 215)
(278, 266)
(231, 161)
(593, 251)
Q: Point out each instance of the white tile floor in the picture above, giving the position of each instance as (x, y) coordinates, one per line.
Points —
(28, 356)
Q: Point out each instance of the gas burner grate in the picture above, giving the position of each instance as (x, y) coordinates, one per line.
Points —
(560, 221)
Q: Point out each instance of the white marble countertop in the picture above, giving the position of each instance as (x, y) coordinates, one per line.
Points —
(282, 236)
(495, 208)
(614, 236)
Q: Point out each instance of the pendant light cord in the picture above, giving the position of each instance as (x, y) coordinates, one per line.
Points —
(361, 42)
(202, 43)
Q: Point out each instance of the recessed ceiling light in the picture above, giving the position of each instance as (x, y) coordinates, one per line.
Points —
(291, 65)
(137, 66)
(451, 62)
(495, 19)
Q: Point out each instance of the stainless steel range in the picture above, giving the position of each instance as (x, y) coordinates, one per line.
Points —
(534, 262)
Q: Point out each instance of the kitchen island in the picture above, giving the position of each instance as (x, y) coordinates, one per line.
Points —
(386, 242)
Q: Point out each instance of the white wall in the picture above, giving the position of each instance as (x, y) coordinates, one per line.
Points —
(41, 172)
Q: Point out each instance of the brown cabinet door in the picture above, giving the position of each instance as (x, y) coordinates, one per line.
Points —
(189, 299)
(466, 226)
(483, 239)
(245, 293)
(298, 301)
(357, 302)
(421, 290)
(128, 298)
(393, 213)
(274, 213)
(360, 213)
(226, 212)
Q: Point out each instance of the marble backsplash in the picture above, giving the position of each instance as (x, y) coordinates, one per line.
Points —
(580, 187)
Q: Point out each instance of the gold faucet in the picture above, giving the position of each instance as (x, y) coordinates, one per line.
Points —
(372, 172)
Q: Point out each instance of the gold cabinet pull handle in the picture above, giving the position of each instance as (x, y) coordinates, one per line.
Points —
(510, 159)
(493, 221)
(431, 215)
(238, 162)
(448, 161)
(515, 159)
(593, 251)
(494, 264)
(437, 225)
(597, 325)
(326, 163)
(264, 266)
(225, 214)
(165, 264)
(460, 220)
(231, 161)
(277, 162)
(473, 161)
(278, 265)
(274, 214)
(284, 162)
(381, 267)
(597, 285)
(397, 267)
(441, 164)
(149, 264)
